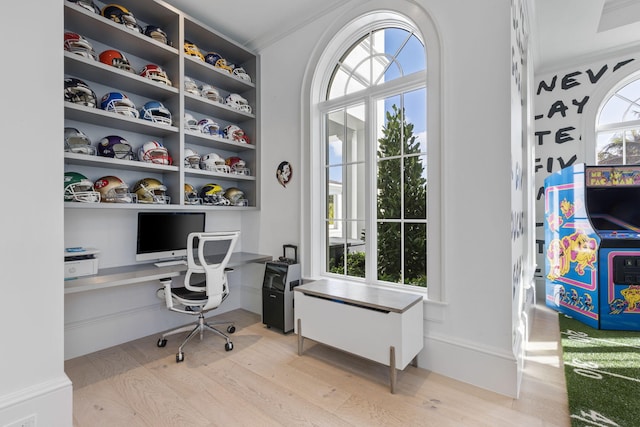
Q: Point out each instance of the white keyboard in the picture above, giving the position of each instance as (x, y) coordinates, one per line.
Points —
(169, 263)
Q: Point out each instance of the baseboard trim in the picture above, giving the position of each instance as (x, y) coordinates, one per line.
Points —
(489, 368)
(49, 402)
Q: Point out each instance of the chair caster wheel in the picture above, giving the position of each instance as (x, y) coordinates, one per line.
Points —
(179, 357)
(162, 342)
(228, 346)
(231, 329)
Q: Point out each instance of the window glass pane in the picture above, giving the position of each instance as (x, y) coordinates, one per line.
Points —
(412, 57)
(415, 254)
(389, 185)
(415, 187)
(355, 142)
(389, 252)
(389, 130)
(335, 137)
(355, 262)
(623, 106)
(415, 115)
(337, 246)
(334, 194)
(354, 194)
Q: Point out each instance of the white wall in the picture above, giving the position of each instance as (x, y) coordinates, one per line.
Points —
(32, 378)
(469, 335)
(566, 105)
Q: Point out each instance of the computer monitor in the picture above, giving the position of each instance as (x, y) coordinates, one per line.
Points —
(163, 235)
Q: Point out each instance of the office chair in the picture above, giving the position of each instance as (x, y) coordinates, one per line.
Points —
(197, 297)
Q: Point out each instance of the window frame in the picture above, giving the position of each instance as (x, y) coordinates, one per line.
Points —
(319, 71)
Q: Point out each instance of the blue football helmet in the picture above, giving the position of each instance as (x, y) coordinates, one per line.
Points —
(118, 102)
(156, 112)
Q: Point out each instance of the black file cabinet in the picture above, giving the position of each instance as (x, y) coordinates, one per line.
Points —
(277, 294)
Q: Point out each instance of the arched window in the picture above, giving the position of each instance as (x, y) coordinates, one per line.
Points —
(373, 184)
(618, 126)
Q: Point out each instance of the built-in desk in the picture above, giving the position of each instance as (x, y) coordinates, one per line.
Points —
(137, 273)
(379, 324)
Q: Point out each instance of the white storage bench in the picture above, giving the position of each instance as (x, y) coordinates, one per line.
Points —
(382, 325)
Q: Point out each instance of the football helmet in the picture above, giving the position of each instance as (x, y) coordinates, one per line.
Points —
(113, 190)
(241, 73)
(191, 86)
(155, 73)
(192, 50)
(116, 59)
(191, 158)
(235, 134)
(78, 188)
(154, 152)
(209, 127)
(117, 102)
(212, 194)
(115, 147)
(75, 43)
(191, 195)
(76, 141)
(78, 92)
(156, 112)
(190, 123)
(210, 93)
(87, 4)
(156, 33)
(218, 61)
(212, 162)
(236, 197)
(237, 165)
(239, 103)
(150, 190)
(120, 15)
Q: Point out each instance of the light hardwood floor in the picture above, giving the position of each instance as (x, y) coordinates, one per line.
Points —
(263, 382)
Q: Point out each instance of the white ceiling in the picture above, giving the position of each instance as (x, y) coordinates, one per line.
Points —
(563, 30)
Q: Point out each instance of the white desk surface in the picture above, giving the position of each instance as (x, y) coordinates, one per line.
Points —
(361, 294)
(144, 272)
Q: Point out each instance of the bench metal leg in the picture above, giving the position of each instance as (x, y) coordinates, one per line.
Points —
(392, 368)
(300, 337)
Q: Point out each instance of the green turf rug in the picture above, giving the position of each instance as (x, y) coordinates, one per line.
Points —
(602, 370)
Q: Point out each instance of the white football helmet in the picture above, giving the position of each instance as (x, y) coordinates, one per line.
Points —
(154, 152)
(214, 163)
(191, 86)
(209, 127)
(190, 123)
(237, 165)
(241, 73)
(237, 102)
(155, 73)
(234, 133)
(156, 112)
(75, 141)
(118, 102)
(113, 190)
(191, 158)
(211, 93)
(75, 43)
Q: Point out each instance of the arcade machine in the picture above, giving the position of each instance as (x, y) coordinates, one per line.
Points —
(592, 235)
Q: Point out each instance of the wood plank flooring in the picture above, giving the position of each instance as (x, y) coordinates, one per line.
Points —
(263, 382)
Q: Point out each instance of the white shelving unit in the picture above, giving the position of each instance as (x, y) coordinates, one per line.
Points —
(140, 50)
